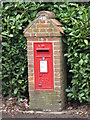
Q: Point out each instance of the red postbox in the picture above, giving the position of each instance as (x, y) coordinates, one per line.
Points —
(43, 66)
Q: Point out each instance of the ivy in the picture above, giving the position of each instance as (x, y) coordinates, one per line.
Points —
(76, 25)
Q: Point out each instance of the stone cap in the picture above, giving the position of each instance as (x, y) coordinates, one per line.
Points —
(47, 14)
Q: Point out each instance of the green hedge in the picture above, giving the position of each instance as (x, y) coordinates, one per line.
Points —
(76, 25)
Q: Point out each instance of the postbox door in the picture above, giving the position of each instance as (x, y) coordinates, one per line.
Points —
(43, 66)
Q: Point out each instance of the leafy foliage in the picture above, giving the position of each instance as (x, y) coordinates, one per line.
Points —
(75, 20)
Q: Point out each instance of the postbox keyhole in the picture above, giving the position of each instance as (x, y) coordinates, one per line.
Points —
(40, 85)
(43, 45)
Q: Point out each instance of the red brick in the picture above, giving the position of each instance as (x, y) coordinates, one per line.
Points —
(31, 82)
(57, 88)
(27, 34)
(42, 39)
(57, 74)
(30, 57)
(54, 34)
(57, 43)
(57, 65)
(57, 70)
(43, 25)
(30, 74)
(56, 47)
(29, 43)
(57, 57)
(56, 61)
(52, 38)
(37, 21)
(29, 30)
(50, 30)
(30, 79)
(42, 30)
(28, 52)
(32, 39)
(30, 60)
(30, 70)
(32, 34)
(29, 48)
(56, 30)
(57, 52)
(35, 30)
(42, 34)
(30, 67)
(31, 86)
(57, 83)
(43, 21)
(31, 63)
(57, 79)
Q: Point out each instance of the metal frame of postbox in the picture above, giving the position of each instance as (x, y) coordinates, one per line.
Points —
(51, 79)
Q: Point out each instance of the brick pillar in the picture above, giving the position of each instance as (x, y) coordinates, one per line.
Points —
(45, 28)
